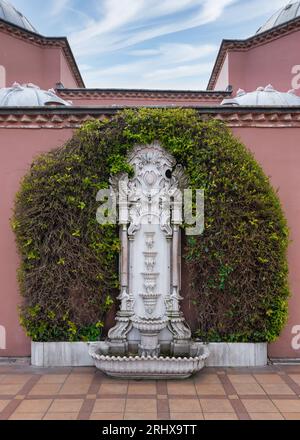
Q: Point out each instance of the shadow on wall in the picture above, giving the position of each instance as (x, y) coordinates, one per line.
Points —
(2, 77)
(2, 338)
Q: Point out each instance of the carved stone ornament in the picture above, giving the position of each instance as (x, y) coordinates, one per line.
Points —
(150, 215)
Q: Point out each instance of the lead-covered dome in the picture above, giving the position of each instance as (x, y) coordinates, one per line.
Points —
(264, 96)
(9, 13)
(29, 95)
(289, 12)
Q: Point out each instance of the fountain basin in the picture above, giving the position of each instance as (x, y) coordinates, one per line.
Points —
(141, 367)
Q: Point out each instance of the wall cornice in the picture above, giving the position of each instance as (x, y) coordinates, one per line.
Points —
(62, 118)
(176, 95)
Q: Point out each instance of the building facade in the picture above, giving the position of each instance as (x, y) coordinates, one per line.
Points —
(35, 120)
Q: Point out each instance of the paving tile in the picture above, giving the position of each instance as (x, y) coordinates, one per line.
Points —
(75, 388)
(295, 378)
(291, 416)
(109, 406)
(207, 378)
(248, 389)
(242, 379)
(184, 405)
(26, 416)
(142, 388)
(216, 406)
(277, 389)
(16, 379)
(287, 405)
(61, 416)
(264, 379)
(106, 416)
(112, 388)
(210, 388)
(181, 388)
(3, 404)
(79, 379)
(52, 378)
(185, 416)
(259, 405)
(140, 416)
(34, 406)
(45, 389)
(10, 389)
(220, 416)
(141, 406)
(66, 406)
(266, 416)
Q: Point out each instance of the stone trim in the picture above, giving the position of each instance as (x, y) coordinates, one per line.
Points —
(177, 95)
(252, 42)
(74, 117)
(41, 41)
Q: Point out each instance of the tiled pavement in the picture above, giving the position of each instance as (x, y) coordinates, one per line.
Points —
(214, 394)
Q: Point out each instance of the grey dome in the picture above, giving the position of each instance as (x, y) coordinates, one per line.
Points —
(9, 13)
(29, 95)
(264, 96)
(289, 12)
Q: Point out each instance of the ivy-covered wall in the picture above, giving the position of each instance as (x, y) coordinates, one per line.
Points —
(237, 267)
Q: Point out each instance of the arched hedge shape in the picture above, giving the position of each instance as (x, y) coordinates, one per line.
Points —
(68, 275)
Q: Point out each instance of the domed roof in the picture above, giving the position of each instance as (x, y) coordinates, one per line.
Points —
(29, 95)
(289, 12)
(264, 96)
(9, 13)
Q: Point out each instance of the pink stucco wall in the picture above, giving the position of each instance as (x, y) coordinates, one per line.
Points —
(274, 62)
(43, 66)
(223, 79)
(17, 150)
(276, 149)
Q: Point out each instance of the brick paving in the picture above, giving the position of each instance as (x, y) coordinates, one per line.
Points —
(29, 393)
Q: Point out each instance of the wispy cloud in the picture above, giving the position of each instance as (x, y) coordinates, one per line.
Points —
(130, 22)
(176, 52)
(157, 67)
(58, 6)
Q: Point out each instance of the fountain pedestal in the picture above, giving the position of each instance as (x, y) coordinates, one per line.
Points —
(150, 215)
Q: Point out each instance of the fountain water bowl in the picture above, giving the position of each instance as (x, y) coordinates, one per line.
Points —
(147, 367)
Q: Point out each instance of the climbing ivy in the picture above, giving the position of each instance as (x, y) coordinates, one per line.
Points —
(237, 269)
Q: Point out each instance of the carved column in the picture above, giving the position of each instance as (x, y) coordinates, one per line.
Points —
(118, 334)
(177, 324)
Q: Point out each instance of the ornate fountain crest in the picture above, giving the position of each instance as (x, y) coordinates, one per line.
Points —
(150, 215)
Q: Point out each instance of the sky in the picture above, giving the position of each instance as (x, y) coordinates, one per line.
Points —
(152, 44)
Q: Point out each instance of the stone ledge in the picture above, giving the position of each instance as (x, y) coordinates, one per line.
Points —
(237, 355)
(75, 354)
(60, 354)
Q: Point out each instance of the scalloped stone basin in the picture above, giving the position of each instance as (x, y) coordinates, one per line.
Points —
(140, 367)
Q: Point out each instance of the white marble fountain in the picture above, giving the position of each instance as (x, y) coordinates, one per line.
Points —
(151, 338)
